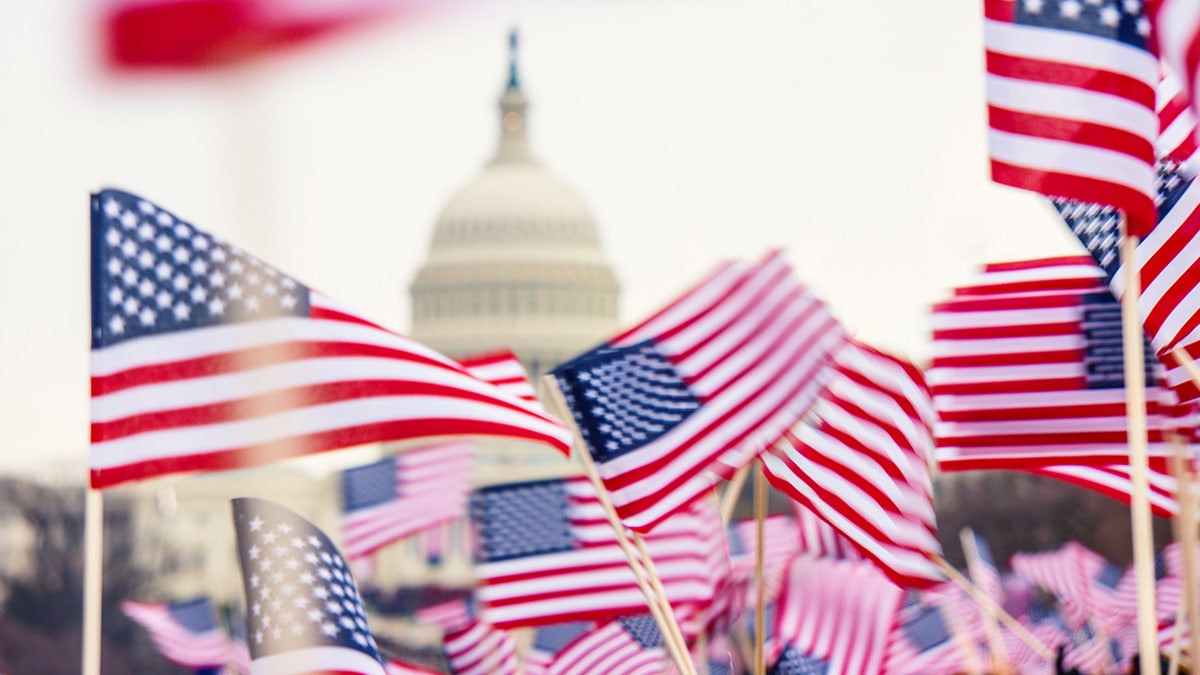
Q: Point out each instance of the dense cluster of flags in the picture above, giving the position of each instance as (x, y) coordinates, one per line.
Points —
(205, 358)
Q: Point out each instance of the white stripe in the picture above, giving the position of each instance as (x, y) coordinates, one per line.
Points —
(995, 374)
(1015, 345)
(1078, 105)
(1071, 158)
(316, 659)
(988, 318)
(1060, 46)
(1033, 399)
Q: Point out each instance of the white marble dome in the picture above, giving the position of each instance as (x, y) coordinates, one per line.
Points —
(515, 261)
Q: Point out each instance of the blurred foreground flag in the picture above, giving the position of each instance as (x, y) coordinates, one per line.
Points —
(1027, 370)
(304, 612)
(1177, 33)
(185, 632)
(205, 358)
(1071, 108)
(187, 34)
(701, 386)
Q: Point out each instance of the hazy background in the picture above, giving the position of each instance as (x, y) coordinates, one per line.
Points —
(849, 134)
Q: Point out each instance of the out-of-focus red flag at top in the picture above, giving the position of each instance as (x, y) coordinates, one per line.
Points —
(196, 34)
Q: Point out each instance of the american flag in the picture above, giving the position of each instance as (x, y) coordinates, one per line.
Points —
(1027, 370)
(861, 462)
(701, 386)
(922, 641)
(1070, 89)
(549, 641)
(548, 555)
(629, 645)
(304, 610)
(781, 543)
(819, 539)
(1177, 36)
(204, 358)
(396, 497)
(168, 34)
(184, 632)
(1076, 575)
(502, 369)
(839, 612)
(478, 648)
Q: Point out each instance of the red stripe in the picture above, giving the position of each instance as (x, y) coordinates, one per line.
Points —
(1049, 412)
(1087, 78)
(999, 10)
(1063, 384)
(295, 446)
(1021, 299)
(293, 398)
(1138, 206)
(1041, 439)
(1070, 131)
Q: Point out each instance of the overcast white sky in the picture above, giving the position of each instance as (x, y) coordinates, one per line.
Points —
(850, 134)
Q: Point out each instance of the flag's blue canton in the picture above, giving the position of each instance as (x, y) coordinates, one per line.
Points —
(1103, 357)
(926, 629)
(1098, 227)
(1160, 565)
(521, 519)
(195, 615)
(153, 273)
(1110, 575)
(552, 639)
(299, 591)
(721, 667)
(623, 398)
(1122, 21)
(792, 662)
(642, 629)
(369, 485)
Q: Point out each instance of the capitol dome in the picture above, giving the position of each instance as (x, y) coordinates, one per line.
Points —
(515, 260)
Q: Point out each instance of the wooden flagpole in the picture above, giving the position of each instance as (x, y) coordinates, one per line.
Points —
(1139, 463)
(660, 607)
(732, 492)
(760, 613)
(998, 611)
(990, 622)
(1185, 535)
(93, 562)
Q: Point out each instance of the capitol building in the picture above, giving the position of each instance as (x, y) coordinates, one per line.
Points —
(515, 262)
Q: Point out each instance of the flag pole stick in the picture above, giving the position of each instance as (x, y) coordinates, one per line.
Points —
(990, 622)
(1135, 411)
(1005, 618)
(661, 593)
(1185, 534)
(760, 610)
(662, 613)
(93, 562)
(732, 492)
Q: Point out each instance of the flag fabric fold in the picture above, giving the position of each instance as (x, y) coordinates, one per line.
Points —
(860, 462)
(836, 615)
(185, 632)
(322, 626)
(701, 386)
(204, 358)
